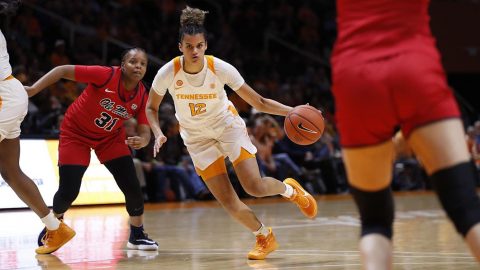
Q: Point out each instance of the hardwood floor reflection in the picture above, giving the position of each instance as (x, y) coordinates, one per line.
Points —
(200, 235)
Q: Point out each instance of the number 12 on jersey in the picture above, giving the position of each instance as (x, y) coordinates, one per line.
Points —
(197, 108)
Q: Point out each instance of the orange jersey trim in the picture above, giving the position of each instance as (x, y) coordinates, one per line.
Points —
(176, 65)
(9, 78)
(210, 63)
(233, 110)
(244, 154)
(216, 168)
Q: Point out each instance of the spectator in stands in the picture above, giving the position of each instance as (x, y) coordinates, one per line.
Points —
(59, 56)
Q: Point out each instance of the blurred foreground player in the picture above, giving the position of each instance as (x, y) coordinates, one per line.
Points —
(387, 74)
(13, 108)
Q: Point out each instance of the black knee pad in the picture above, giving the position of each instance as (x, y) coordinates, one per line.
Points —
(376, 211)
(455, 187)
(124, 173)
(68, 187)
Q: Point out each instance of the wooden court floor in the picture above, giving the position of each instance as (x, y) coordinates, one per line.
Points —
(201, 236)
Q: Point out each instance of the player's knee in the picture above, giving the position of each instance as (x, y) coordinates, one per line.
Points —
(10, 174)
(66, 194)
(135, 206)
(455, 187)
(5, 175)
(69, 187)
(376, 211)
(63, 199)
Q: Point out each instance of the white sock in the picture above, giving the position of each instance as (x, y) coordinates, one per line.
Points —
(51, 222)
(263, 231)
(288, 191)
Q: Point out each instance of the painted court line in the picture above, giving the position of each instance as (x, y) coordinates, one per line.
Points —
(314, 252)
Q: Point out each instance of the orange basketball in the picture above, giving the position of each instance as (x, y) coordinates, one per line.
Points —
(304, 125)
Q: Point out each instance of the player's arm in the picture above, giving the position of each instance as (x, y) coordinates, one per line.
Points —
(53, 76)
(151, 110)
(231, 77)
(260, 103)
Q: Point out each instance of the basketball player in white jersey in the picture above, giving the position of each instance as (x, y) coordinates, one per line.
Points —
(13, 108)
(212, 130)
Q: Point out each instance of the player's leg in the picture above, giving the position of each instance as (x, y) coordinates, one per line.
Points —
(442, 150)
(28, 192)
(21, 184)
(59, 233)
(369, 172)
(15, 102)
(236, 143)
(73, 160)
(248, 173)
(123, 170)
(70, 179)
(209, 162)
(217, 181)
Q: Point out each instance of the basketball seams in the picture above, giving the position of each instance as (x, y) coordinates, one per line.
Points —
(312, 109)
(295, 128)
(303, 118)
(311, 118)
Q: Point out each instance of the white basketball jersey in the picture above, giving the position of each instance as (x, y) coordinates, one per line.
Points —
(203, 105)
(5, 68)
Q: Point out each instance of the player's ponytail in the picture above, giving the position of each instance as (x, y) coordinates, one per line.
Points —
(191, 22)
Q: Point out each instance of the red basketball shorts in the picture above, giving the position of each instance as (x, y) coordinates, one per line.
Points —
(75, 149)
(374, 98)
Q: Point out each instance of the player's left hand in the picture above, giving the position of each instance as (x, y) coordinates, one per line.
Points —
(136, 142)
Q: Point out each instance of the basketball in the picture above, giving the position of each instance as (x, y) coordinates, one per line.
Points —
(304, 125)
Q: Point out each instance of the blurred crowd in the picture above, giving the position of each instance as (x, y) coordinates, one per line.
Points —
(281, 47)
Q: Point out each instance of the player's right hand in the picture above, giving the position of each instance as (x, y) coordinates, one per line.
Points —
(159, 141)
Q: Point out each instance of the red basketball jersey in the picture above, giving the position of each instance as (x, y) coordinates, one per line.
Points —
(375, 29)
(104, 104)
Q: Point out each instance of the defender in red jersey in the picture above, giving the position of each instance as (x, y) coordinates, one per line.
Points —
(387, 74)
(95, 121)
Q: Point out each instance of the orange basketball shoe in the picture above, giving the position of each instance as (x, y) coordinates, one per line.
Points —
(264, 246)
(55, 239)
(302, 198)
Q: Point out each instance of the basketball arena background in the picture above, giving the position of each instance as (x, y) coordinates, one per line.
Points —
(281, 48)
